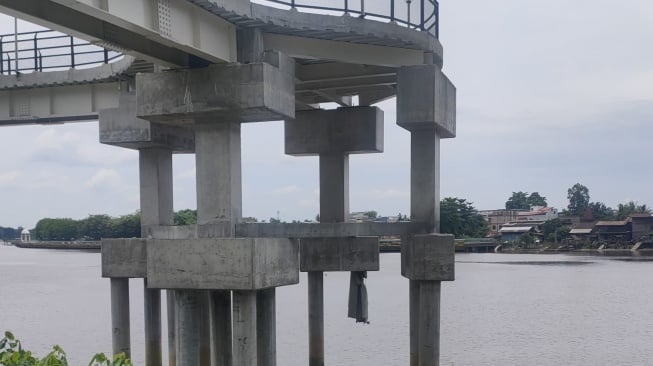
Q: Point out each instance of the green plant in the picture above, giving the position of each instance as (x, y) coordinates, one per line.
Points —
(13, 354)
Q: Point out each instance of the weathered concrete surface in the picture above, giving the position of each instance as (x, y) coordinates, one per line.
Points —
(429, 323)
(425, 178)
(220, 304)
(428, 257)
(288, 230)
(245, 343)
(339, 254)
(334, 187)
(120, 325)
(266, 327)
(188, 323)
(219, 93)
(124, 258)
(155, 180)
(121, 127)
(344, 130)
(222, 263)
(152, 314)
(426, 99)
(315, 318)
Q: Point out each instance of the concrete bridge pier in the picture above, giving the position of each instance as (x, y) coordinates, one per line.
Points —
(258, 91)
(155, 144)
(120, 328)
(426, 103)
(333, 135)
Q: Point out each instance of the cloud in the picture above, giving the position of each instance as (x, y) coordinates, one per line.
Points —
(8, 178)
(105, 178)
(286, 190)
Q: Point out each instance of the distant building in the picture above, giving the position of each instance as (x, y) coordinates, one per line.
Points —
(641, 224)
(538, 213)
(497, 218)
(511, 233)
(613, 231)
(25, 235)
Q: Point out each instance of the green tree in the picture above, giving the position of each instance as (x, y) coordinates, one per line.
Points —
(631, 207)
(185, 217)
(600, 211)
(371, 214)
(127, 226)
(96, 227)
(518, 201)
(553, 231)
(536, 200)
(460, 218)
(56, 229)
(579, 199)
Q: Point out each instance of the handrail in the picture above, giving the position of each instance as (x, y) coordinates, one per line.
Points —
(49, 50)
(428, 18)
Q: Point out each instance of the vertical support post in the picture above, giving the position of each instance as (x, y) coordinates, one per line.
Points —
(120, 316)
(152, 314)
(172, 328)
(36, 63)
(205, 329)
(155, 176)
(244, 328)
(315, 319)
(266, 328)
(221, 328)
(72, 52)
(425, 207)
(188, 306)
(219, 199)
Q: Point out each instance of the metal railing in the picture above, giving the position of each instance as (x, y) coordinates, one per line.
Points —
(48, 50)
(420, 15)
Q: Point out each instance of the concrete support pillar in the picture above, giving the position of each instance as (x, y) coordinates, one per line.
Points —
(429, 323)
(221, 348)
(172, 328)
(413, 308)
(120, 316)
(205, 329)
(188, 318)
(244, 328)
(266, 327)
(152, 313)
(334, 187)
(425, 177)
(219, 199)
(315, 319)
(155, 173)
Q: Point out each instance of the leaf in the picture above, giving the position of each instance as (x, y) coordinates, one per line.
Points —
(9, 335)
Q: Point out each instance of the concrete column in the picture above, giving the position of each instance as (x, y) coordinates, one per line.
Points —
(244, 328)
(334, 187)
(425, 177)
(266, 327)
(172, 328)
(221, 328)
(205, 329)
(155, 173)
(413, 308)
(217, 159)
(120, 316)
(315, 319)
(429, 323)
(219, 199)
(152, 313)
(188, 318)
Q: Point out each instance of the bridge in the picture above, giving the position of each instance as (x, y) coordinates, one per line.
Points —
(181, 76)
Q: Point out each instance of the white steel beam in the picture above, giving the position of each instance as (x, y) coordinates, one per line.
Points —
(55, 105)
(169, 32)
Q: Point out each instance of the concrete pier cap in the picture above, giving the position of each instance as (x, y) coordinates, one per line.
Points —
(426, 99)
(124, 258)
(254, 92)
(222, 263)
(351, 130)
(339, 254)
(120, 127)
(428, 257)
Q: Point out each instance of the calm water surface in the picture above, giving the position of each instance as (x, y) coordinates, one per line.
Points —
(508, 310)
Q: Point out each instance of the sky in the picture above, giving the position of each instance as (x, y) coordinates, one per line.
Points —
(550, 93)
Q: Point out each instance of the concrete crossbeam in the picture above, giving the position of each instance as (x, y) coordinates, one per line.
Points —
(344, 130)
(289, 230)
(120, 127)
(428, 257)
(426, 99)
(124, 258)
(339, 254)
(222, 263)
(253, 92)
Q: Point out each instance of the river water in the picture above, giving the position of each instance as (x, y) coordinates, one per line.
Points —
(503, 309)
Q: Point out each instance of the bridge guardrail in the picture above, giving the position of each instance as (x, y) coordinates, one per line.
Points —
(421, 15)
(48, 50)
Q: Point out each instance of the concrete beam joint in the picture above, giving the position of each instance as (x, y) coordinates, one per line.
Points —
(349, 130)
(124, 258)
(254, 92)
(426, 99)
(339, 254)
(428, 257)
